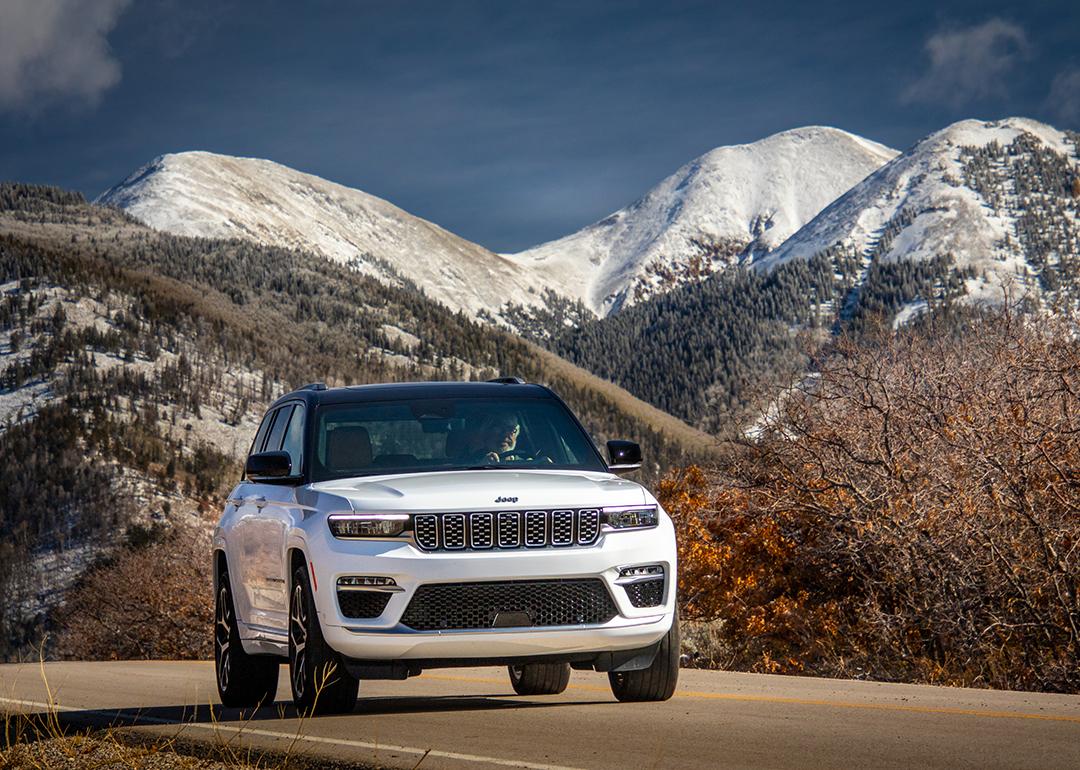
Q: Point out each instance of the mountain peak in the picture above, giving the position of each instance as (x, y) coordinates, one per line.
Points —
(728, 205)
(993, 197)
(205, 194)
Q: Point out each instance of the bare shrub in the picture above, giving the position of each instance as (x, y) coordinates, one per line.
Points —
(913, 513)
(150, 602)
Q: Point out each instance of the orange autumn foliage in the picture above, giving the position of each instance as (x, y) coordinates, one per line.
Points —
(912, 513)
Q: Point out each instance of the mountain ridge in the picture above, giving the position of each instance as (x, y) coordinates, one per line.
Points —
(204, 194)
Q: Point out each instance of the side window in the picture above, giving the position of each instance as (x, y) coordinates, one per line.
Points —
(294, 439)
(256, 445)
(273, 441)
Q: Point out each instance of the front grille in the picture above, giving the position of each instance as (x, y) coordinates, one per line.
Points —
(453, 526)
(362, 604)
(426, 529)
(646, 593)
(442, 606)
(536, 529)
(506, 529)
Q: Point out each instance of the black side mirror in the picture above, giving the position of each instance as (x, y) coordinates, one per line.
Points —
(624, 456)
(268, 465)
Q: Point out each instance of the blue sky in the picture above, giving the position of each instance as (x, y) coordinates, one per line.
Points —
(509, 123)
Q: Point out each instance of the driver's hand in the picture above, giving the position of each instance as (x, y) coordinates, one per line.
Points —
(493, 457)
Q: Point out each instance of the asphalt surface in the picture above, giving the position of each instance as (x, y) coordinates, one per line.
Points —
(471, 718)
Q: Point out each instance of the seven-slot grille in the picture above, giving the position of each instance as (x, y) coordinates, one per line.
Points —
(506, 529)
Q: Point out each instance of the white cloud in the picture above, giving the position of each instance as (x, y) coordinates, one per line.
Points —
(969, 63)
(56, 50)
(1064, 98)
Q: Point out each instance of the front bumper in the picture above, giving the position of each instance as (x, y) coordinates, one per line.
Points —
(385, 638)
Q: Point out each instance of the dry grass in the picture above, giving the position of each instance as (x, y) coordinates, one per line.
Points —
(54, 739)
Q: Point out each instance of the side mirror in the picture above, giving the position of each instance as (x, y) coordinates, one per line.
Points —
(268, 465)
(624, 456)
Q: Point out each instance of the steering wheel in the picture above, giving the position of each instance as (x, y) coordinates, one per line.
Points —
(517, 454)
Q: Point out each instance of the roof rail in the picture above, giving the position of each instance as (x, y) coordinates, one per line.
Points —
(314, 386)
(508, 380)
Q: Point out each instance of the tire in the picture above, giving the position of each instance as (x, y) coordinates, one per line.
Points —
(243, 681)
(320, 682)
(657, 682)
(539, 678)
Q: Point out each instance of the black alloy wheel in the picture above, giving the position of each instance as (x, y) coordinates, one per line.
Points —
(243, 680)
(321, 684)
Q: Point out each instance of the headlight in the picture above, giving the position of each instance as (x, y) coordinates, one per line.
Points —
(631, 518)
(348, 525)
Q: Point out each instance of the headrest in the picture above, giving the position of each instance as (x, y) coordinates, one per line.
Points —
(348, 448)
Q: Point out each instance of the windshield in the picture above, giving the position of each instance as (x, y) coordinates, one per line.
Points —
(444, 434)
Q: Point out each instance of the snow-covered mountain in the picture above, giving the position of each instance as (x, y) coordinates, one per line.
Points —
(220, 196)
(1000, 198)
(730, 205)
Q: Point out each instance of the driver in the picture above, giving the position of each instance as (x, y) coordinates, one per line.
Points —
(496, 439)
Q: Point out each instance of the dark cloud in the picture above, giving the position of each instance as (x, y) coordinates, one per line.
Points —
(509, 123)
(969, 63)
(1064, 98)
(56, 50)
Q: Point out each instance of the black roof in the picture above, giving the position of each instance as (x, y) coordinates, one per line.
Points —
(319, 394)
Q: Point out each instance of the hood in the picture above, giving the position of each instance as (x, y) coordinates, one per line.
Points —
(484, 491)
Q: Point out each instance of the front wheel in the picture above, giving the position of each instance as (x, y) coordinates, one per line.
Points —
(320, 682)
(243, 681)
(540, 678)
(657, 682)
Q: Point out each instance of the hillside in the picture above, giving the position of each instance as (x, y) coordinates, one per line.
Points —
(134, 366)
(970, 215)
(218, 196)
(1000, 198)
(729, 206)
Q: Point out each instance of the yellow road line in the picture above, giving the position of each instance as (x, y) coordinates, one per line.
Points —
(737, 697)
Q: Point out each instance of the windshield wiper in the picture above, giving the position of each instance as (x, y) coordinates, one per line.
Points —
(490, 467)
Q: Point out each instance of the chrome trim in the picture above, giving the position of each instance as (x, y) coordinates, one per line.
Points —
(544, 530)
(376, 589)
(573, 527)
(518, 539)
(629, 581)
(464, 531)
(434, 524)
(599, 525)
(492, 530)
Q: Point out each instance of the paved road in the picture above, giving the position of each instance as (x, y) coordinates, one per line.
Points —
(470, 718)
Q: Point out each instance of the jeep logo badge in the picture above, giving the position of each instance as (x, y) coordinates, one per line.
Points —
(506, 499)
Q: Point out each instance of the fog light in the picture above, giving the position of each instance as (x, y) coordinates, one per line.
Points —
(630, 518)
(364, 581)
(368, 525)
(631, 572)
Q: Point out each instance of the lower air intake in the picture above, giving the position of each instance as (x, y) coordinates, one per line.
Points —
(362, 604)
(437, 607)
(646, 593)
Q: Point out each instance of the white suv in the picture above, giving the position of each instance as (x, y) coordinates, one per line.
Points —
(384, 529)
